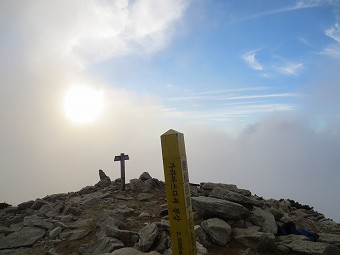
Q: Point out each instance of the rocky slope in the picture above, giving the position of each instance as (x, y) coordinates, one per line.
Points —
(101, 219)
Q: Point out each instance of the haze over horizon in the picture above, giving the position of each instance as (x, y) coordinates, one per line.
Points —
(253, 85)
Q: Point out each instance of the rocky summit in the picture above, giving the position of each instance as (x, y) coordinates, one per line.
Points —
(102, 219)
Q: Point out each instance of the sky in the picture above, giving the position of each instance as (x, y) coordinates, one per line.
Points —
(253, 85)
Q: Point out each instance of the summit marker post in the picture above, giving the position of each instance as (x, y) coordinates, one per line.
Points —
(122, 159)
(178, 194)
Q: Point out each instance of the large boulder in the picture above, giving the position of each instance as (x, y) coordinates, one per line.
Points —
(264, 219)
(147, 236)
(207, 187)
(208, 207)
(218, 231)
(104, 180)
(330, 238)
(301, 245)
(254, 239)
(25, 237)
(232, 196)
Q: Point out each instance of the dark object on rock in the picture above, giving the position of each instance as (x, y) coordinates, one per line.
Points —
(289, 228)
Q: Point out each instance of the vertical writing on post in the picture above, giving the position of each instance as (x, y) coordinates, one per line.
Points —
(122, 157)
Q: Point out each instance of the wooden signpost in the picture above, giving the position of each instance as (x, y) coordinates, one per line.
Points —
(122, 159)
(178, 194)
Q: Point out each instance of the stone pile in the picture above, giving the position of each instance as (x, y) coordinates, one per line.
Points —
(101, 219)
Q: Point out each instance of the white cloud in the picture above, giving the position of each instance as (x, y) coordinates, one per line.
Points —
(290, 68)
(334, 32)
(333, 50)
(83, 32)
(250, 59)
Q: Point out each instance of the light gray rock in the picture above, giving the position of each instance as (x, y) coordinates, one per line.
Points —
(103, 245)
(147, 236)
(27, 236)
(209, 207)
(218, 231)
(254, 239)
(264, 219)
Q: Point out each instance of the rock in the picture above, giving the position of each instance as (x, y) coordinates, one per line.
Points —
(123, 235)
(209, 207)
(38, 203)
(73, 234)
(201, 237)
(27, 236)
(264, 219)
(145, 176)
(127, 251)
(144, 196)
(201, 250)
(163, 243)
(55, 232)
(144, 215)
(19, 251)
(277, 213)
(330, 238)
(104, 180)
(299, 244)
(254, 239)
(51, 252)
(36, 221)
(165, 225)
(248, 252)
(137, 185)
(25, 205)
(147, 236)
(209, 186)
(101, 246)
(285, 205)
(218, 231)
(232, 196)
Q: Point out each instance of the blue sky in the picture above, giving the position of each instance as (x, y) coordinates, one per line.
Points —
(253, 85)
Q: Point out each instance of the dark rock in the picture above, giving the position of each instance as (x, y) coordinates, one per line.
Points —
(145, 176)
(25, 237)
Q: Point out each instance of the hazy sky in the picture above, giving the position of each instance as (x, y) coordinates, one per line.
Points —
(253, 85)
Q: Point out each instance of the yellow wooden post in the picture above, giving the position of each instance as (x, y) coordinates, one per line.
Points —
(178, 194)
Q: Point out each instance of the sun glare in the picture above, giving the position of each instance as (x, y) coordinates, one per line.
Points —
(83, 104)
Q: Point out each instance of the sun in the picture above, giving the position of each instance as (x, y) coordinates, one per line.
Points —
(83, 104)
